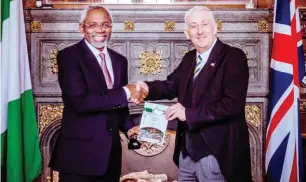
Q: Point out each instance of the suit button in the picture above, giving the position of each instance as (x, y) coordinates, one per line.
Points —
(110, 129)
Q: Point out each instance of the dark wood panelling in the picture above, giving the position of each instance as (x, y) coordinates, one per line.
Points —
(302, 3)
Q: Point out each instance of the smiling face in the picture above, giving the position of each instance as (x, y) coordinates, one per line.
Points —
(97, 28)
(201, 29)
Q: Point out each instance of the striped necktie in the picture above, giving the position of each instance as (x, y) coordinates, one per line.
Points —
(197, 67)
(106, 74)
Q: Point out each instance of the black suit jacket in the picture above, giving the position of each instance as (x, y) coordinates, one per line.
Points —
(91, 111)
(217, 111)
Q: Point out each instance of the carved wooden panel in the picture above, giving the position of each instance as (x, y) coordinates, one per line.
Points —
(138, 46)
(171, 50)
(255, 47)
(44, 79)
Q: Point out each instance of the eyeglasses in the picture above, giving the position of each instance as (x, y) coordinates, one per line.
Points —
(103, 25)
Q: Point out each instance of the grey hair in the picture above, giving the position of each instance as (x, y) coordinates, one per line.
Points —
(197, 9)
(91, 7)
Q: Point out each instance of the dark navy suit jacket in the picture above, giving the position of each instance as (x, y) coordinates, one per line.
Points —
(91, 111)
(217, 111)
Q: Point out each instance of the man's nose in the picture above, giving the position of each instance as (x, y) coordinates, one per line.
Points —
(100, 29)
(200, 30)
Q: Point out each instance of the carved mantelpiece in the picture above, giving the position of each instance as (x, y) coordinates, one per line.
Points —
(145, 30)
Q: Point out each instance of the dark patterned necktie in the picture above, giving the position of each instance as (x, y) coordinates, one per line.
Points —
(197, 67)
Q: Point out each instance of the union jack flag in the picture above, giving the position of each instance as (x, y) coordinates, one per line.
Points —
(284, 159)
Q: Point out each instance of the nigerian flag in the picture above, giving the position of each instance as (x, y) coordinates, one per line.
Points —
(20, 154)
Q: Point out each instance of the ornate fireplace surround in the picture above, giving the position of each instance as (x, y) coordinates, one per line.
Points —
(154, 38)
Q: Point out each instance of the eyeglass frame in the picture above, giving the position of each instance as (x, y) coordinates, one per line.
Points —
(102, 25)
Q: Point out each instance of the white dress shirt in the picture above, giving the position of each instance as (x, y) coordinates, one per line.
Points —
(108, 60)
(205, 55)
(109, 65)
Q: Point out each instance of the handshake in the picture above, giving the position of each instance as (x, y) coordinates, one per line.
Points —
(139, 91)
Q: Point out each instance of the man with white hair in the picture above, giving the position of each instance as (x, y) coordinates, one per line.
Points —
(211, 82)
(93, 81)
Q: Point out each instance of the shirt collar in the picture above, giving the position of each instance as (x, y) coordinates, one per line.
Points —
(95, 51)
(206, 54)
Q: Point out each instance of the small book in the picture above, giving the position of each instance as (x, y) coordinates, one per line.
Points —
(153, 124)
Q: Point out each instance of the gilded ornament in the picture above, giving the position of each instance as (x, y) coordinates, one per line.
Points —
(129, 26)
(247, 56)
(303, 106)
(184, 52)
(169, 26)
(150, 63)
(48, 179)
(263, 26)
(53, 56)
(219, 25)
(252, 114)
(35, 26)
(55, 176)
(48, 113)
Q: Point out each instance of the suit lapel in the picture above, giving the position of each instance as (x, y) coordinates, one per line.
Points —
(91, 62)
(203, 79)
(116, 68)
(189, 73)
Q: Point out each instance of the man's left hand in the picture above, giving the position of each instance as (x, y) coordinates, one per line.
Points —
(176, 111)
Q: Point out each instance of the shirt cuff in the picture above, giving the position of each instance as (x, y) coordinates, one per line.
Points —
(127, 92)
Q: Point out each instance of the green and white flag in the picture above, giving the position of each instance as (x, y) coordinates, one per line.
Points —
(20, 155)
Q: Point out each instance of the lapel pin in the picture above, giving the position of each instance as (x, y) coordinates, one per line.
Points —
(212, 64)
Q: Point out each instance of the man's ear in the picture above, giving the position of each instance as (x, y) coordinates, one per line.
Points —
(81, 28)
(109, 35)
(215, 28)
(186, 33)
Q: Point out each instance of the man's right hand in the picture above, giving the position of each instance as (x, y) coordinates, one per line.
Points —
(141, 84)
(137, 96)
